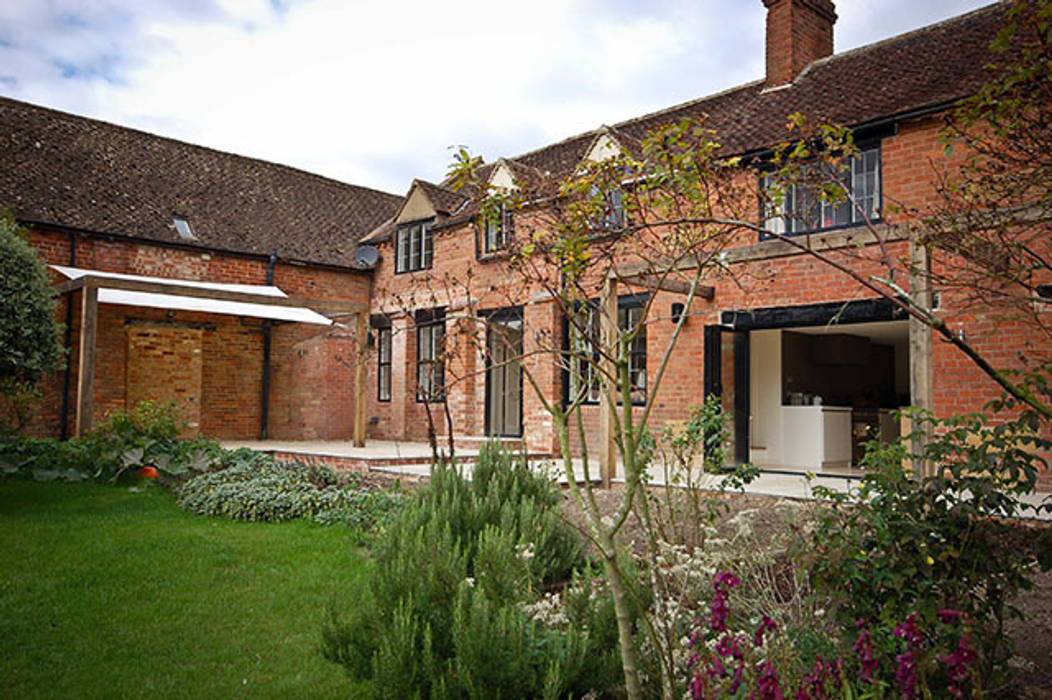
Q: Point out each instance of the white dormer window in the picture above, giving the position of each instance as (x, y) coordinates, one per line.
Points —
(182, 227)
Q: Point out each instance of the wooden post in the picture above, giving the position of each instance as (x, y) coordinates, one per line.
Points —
(360, 406)
(89, 320)
(608, 334)
(921, 372)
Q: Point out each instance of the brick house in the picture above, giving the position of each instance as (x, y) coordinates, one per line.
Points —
(801, 389)
(150, 220)
(802, 392)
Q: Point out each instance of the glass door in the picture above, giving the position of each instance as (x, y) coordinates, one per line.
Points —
(504, 376)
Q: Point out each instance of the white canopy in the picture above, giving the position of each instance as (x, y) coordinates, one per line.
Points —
(174, 300)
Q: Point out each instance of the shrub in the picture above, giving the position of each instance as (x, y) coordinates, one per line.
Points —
(145, 436)
(452, 611)
(29, 344)
(910, 545)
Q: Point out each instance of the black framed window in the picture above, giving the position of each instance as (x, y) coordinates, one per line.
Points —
(496, 231)
(383, 364)
(414, 248)
(430, 364)
(381, 327)
(583, 340)
(584, 344)
(802, 211)
(628, 318)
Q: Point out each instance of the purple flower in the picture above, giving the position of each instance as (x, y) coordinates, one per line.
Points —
(864, 648)
(909, 631)
(906, 674)
(719, 612)
(737, 678)
(697, 691)
(957, 664)
(767, 686)
(725, 580)
(721, 583)
(728, 646)
(947, 616)
(766, 625)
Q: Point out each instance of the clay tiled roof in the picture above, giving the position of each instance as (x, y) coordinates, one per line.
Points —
(88, 175)
(928, 67)
(445, 201)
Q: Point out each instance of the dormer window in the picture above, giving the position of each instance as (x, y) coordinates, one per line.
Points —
(182, 227)
(801, 210)
(496, 230)
(413, 246)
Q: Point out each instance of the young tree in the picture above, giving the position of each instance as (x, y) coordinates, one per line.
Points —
(29, 333)
(578, 240)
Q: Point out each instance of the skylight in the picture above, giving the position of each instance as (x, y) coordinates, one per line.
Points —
(182, 227)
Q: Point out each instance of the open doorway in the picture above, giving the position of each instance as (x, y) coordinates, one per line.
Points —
(805, 387)
(821, 392)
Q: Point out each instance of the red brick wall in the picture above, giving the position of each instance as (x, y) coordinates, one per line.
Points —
(788, 280)
(312, 387)
(174, 353)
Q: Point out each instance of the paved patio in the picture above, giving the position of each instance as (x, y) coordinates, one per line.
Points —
(412, 459)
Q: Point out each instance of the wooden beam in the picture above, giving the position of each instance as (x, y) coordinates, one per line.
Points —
(89, 318)
(608, 334)
(327, 305)
(922, 380)
(361, 358)
(656, 282)
(655, 276)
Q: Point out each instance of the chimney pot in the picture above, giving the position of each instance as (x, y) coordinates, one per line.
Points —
(799, 32)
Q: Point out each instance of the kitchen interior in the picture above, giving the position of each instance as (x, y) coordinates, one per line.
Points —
(818, 393)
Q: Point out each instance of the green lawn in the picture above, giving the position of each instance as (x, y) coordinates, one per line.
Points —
(106, 593)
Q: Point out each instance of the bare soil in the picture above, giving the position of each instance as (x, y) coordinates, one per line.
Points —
(1033, 634)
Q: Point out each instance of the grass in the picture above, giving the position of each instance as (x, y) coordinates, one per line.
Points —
(106, 593)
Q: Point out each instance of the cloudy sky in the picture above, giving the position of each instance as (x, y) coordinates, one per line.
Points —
(375, 92)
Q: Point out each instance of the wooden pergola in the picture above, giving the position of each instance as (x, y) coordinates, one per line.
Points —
(635, 275)
(90, 284)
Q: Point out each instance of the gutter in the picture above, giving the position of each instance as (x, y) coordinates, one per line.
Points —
(66, 376)
(873, 124)
(59, 228)
(268, 325)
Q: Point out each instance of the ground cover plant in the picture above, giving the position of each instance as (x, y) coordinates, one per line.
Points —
(253, 486)
(208, 480)
(109, 593)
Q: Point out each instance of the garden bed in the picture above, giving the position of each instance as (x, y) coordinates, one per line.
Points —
(1033, 635)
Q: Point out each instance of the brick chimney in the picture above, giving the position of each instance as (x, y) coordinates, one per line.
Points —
(798, 32)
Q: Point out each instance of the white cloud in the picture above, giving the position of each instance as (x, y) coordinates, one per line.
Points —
(374, 92)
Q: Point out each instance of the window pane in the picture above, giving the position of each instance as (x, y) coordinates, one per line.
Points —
(616, 215)
(384, 379)
(427, 245)
(402, 255)
(414, 248)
